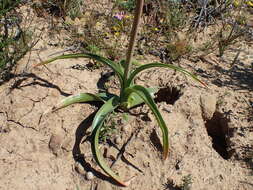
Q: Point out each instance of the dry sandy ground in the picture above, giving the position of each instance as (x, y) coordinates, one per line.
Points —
(210, 130)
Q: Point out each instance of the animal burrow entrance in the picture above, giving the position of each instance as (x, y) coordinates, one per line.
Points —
(168, 94)
(217, 129)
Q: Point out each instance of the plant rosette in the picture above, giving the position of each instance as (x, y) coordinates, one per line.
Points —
(131, 95)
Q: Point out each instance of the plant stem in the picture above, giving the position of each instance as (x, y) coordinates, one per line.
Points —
(133, 35)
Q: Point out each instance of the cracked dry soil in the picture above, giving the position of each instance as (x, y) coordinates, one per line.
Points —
(210, 134)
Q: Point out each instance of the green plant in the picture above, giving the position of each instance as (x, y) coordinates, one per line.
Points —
(178, 49)
(175, 16)
(226, 39)
(75, 8)
(15, 40)
(108, 128)
(130, 94)
(71, 8)
(93, 49)
(207, 47)
(187, 181)
(12, 50)
(126, 4)
(7, 5)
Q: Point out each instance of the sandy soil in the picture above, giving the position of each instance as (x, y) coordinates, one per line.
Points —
(210, 130)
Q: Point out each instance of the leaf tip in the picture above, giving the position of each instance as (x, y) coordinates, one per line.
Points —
(38, 64)
(127, 183)
(204, 84)
(165, 154)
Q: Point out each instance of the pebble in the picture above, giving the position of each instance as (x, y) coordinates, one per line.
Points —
(89, 175)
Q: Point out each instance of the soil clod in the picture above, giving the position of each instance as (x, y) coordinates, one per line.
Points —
(55, 144)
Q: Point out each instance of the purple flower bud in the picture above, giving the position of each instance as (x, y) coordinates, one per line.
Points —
(119, 15)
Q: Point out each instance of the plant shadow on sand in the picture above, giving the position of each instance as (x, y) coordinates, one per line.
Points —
(36, 81)
(78, 156)
(80, 133)
(238, 76)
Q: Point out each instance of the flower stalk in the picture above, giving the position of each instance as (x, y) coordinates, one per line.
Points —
(133, 35)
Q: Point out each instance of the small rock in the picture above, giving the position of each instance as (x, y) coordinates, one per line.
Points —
(208, 105)
(89, 175)
(55, 143)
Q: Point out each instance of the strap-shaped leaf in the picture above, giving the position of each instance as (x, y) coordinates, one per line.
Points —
(147, 98)
(117, 68)
(107, 108)
(97, 124)
(81, 98)
(170, 66)
(135, 100)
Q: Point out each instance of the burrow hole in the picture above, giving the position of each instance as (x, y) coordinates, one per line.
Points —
(217, 129)
(168, 94)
